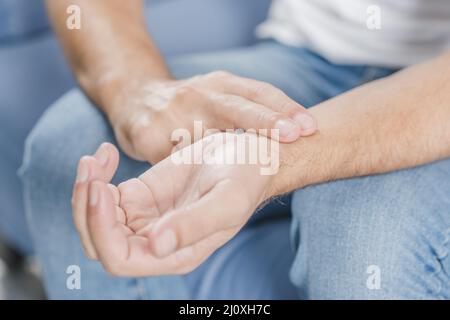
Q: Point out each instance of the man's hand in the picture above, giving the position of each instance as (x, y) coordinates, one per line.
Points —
(394, 123)
(175, 215)
(119, 67)
(144, 113)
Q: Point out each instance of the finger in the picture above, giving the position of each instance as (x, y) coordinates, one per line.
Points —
(188, 258)
(123, 253)
(109, 236)
(137, 199)
(105, 167)
(219, 210)
(120, 213)
(115, 192)
(271, 97)
(246, 114)
(100, 167)
(79, 207)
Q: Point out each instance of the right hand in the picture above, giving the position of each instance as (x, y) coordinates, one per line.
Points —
(176, 214)
(144, 112)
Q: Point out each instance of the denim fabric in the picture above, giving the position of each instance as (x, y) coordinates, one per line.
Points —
(34, 73)
(32, 77)
(398, 222)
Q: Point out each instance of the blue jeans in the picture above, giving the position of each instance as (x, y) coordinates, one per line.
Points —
(384, 236)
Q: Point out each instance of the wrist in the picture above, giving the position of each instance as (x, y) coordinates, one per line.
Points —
(106, 80)
(293, 173)
(124, 101)
(311, 160)
(115, 92)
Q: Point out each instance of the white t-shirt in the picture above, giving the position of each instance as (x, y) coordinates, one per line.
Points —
(392, 33)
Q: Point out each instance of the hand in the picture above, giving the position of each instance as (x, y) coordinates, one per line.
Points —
(144, 112)
(172, 217)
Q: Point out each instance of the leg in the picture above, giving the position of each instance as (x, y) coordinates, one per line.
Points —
(13, 226)
(33, 75)
(73, 127)
(378, 237)
(58, 246)
(69, 129)
(244, 269)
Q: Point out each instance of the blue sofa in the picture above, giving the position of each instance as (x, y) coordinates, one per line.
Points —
(33, 72)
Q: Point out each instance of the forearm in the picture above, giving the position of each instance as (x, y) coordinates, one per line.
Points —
(397, 122)
(112, 43)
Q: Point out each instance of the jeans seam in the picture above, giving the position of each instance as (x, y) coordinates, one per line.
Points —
(141, 290)
(440, 269)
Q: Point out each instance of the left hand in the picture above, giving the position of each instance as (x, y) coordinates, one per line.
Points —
(172, 217)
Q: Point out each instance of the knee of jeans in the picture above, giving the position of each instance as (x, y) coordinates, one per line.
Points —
(396, 225)
(69, 129)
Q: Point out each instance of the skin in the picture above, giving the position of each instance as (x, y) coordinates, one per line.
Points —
(139, 216)
(126, 77)
(390, 124)
(153, 225)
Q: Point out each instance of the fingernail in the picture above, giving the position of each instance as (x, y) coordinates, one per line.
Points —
(166, 243)
(102, 155)
(287, 127)
(83, 172)
(93, 194)
(305, 121)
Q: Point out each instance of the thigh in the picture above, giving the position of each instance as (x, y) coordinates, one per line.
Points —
(12, 135)
(48, 172)
(13, 226)
(73, 127)
(302, 74)
(384, 236)
(253, 265)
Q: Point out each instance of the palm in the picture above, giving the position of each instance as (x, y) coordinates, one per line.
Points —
(141, 202)
(193, 199)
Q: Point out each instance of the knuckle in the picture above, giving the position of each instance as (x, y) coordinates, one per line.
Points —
(268, 118)
(126, 187)
(220, 74)
(287, 107)
(194, 80)
(138, 130)
(263, 88)
(126, 190)
(185, 94)
(228, 100)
